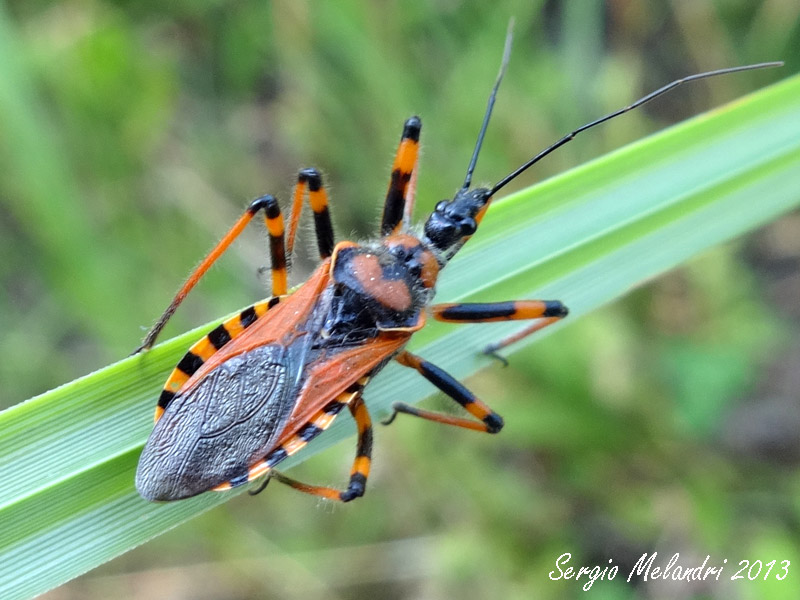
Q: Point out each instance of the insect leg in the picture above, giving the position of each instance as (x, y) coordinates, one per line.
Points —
(410, 196)
(400, 187)
(361, 465)
(549, 311)
(207, 346)
(488, 420)
(274, 222)
(310, 180)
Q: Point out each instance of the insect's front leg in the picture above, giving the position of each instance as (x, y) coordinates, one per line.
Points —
(547, 311)
(400, 196)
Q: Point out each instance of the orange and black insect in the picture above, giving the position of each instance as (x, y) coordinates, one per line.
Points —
(260, 386)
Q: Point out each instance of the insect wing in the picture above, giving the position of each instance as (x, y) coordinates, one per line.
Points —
(228, 413)
(336, 374)
(216, 430)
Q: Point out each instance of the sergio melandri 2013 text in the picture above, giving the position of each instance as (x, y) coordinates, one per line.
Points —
(647, 569)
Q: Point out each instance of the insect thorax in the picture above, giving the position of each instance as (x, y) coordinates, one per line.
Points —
(383, 284)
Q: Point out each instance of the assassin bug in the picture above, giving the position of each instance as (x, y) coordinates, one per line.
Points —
(260, 386)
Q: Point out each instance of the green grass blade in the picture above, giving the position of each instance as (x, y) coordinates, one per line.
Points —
(67, 457)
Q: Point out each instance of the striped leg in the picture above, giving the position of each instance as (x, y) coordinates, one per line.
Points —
(274, 222)
(207, 346)
(488, 420)
(400, 189)
(411, 196)
(361, 465)
(549, 311)
(310, 180)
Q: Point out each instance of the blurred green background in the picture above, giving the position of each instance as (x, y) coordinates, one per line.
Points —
(133, 133)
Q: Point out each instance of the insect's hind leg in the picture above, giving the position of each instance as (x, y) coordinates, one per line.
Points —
(361, 465)
(546, 311)
(488, 420)
(274, 223)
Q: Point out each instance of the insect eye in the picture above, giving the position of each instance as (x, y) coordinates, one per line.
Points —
(468, 226)
(440, 206)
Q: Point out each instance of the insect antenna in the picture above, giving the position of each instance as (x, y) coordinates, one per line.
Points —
(662, 90)
(490, 105)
